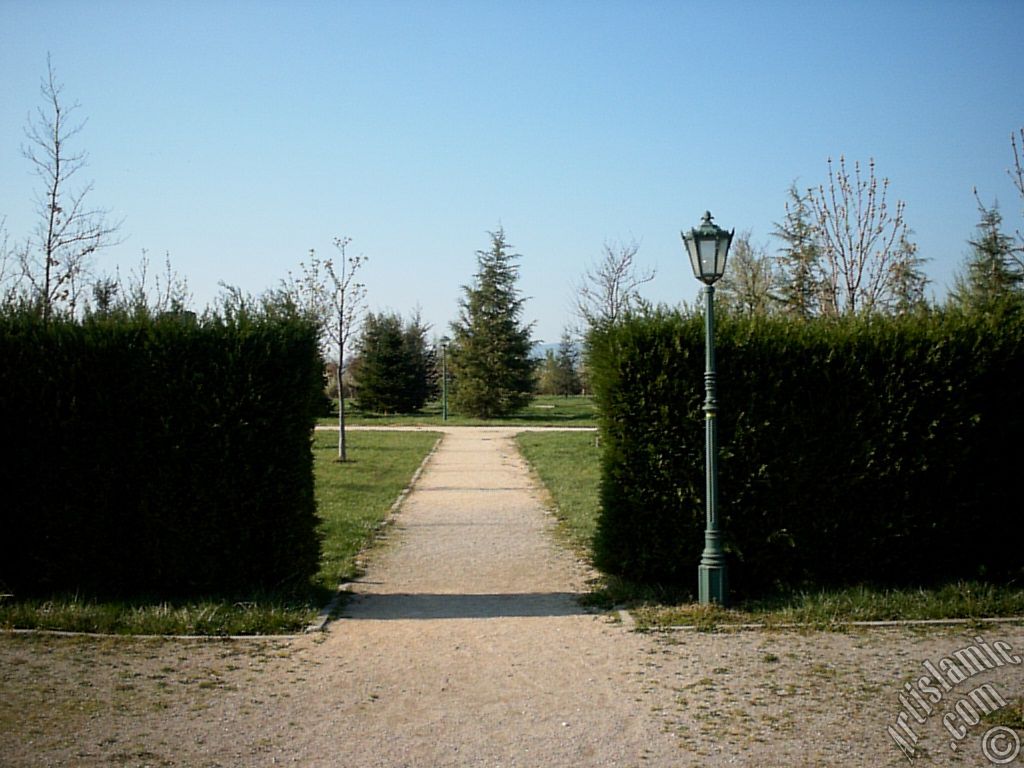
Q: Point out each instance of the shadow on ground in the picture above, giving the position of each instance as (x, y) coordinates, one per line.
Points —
(487, 606)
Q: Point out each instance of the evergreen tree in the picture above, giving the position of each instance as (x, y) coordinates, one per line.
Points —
(547, 374)
(567, 381)
(908, 280)
(990, 274)
(490, 352)
(559, 371)
(393, 365)
(423, 361)
(799, 259)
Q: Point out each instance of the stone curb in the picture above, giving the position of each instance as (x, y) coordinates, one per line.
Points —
(845, 624)
(126, 636)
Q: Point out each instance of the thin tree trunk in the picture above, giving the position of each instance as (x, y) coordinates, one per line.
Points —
(342, 456)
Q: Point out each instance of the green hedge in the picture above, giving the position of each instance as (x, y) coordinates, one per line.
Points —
(869, 450)
(158, 455)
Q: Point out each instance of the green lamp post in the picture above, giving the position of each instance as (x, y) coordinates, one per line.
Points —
(708, 246)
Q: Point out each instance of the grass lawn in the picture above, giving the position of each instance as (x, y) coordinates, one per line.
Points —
(352, 499)
(545, 410)
(568, 464)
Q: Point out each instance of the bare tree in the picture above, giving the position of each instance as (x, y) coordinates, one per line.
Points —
(55, 259)
(143, 290)
(7, 288)
(169, 291)
(1017, 172)
(750, 284)
(611, 286)
(1017, 176)
(328, 291)
(865, 247)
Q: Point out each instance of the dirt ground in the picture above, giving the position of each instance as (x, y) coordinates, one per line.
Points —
(465, 646)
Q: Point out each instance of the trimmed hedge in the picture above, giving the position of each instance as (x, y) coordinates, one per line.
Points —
(869, 450)
(162, 456)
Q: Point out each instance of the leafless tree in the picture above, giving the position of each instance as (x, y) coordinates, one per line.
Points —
(55, 260)
(169, 291)
(1017, 176)
(328, 291)
(1017, 172)
(865, 248)
(144, 289)
(751, 281)
(7, 263)
(611, 285)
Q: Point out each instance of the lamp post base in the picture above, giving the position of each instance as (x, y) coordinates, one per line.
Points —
(711, 584)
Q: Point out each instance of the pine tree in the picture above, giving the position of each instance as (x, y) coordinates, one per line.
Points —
(559, 371)
(567, 381)
(908, 280)
(990, 274)
(422, 362)
(393, 365)
(490, 353)
(547, 374)
(799, 259)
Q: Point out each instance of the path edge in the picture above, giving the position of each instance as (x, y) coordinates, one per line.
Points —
(320, 623)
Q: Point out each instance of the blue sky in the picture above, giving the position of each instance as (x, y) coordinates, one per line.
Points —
(238, 135)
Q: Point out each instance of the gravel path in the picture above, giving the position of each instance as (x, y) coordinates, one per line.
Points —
(480, 650)
(465, 646)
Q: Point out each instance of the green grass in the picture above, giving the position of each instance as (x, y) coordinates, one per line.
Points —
(839, 608)
(568, 464)
(352, 499)
(258, 615)
(545, 410)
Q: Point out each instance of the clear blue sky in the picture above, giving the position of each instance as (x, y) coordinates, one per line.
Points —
(238, 135)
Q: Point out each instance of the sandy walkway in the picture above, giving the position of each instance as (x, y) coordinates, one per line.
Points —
(480, 651)
(465, 647)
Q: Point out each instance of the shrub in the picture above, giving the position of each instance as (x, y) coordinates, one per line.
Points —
(881, 449)
(162, 455)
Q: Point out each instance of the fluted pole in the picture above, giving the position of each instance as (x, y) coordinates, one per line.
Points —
(711, 573)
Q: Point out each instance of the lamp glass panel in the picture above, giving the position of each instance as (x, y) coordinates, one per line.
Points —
(708, 248)
(721, 248)
(692, 251)
(726, 242)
